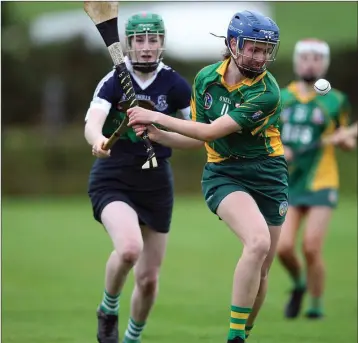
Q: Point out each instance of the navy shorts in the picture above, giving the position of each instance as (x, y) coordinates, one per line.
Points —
(149, 192)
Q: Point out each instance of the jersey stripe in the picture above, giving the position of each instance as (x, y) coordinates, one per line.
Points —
(102, 82)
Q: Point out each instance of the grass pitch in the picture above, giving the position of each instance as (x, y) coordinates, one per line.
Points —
(54, 255)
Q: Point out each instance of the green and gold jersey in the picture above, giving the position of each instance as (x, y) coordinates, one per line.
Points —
(304, 121)
(253, 103)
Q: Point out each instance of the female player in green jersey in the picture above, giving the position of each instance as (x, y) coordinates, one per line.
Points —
(308, 118)
(235, 109)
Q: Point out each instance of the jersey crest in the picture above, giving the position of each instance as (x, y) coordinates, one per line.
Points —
(208, 100)
(162, 104)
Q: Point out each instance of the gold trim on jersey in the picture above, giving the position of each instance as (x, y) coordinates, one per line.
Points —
(275, 141)
(212, 155)
(344, 118)
(193, 108)
(253, 132)
(293, 88)
(256, 96)
(193, 101)
(247, 82)
(326, 174)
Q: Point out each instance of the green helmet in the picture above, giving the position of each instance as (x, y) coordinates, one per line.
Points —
(145, 23)
(142, 24)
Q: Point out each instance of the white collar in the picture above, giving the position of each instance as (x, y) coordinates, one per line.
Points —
(141, 84)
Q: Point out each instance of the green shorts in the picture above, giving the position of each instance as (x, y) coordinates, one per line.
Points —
(265, 179)
(324, 197)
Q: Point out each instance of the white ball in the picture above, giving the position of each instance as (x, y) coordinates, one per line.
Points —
(322, 86)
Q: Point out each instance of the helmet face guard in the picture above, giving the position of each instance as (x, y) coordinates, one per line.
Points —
(134, 53)
(258, 31)
(150, 29)
(269, 51)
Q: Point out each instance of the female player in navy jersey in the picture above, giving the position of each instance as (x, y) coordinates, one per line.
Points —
(134, 205)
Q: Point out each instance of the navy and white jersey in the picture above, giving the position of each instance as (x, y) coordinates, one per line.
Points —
(166, 89)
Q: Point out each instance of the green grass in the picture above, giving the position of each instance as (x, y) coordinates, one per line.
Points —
(335, 22)
(54, 255)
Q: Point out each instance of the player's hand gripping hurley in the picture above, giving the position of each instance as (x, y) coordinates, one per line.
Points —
(104, 15)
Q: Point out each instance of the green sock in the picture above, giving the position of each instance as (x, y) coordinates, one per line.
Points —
(315, 305)
(248, 329)
(238, 318)
(299, 282)
(110, 303)
(133, 331)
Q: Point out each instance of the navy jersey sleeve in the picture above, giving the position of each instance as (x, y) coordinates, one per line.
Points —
(180, 95)
(107, 93)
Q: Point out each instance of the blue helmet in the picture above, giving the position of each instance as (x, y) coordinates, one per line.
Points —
(257, 28)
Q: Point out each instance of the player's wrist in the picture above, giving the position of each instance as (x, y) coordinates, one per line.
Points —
(160, 136)
(157, 118)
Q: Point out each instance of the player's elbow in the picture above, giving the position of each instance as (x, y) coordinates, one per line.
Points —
(87, 133)
(210, 134)
(95, 119)
(91, 132)
(220, 127)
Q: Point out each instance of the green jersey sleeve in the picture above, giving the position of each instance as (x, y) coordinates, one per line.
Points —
(255, 113)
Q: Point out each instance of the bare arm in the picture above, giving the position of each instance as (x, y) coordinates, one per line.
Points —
(94, 124)
(221, 127)
(352, 136)
(352, 131)
(204, 132)
(176, 140)
(346, 137)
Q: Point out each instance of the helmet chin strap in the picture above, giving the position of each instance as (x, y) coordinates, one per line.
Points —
(145, 68)
(248, 73)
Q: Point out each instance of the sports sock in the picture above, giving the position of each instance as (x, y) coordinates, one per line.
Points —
(238, 318)
(110, 303)
(133, 331)
(299, 282)
(315, 305)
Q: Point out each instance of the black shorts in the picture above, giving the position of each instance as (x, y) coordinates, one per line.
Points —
(149, 192)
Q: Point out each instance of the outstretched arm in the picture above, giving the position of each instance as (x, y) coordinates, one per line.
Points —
(170, 139)
(346, 137)
(221, 127)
